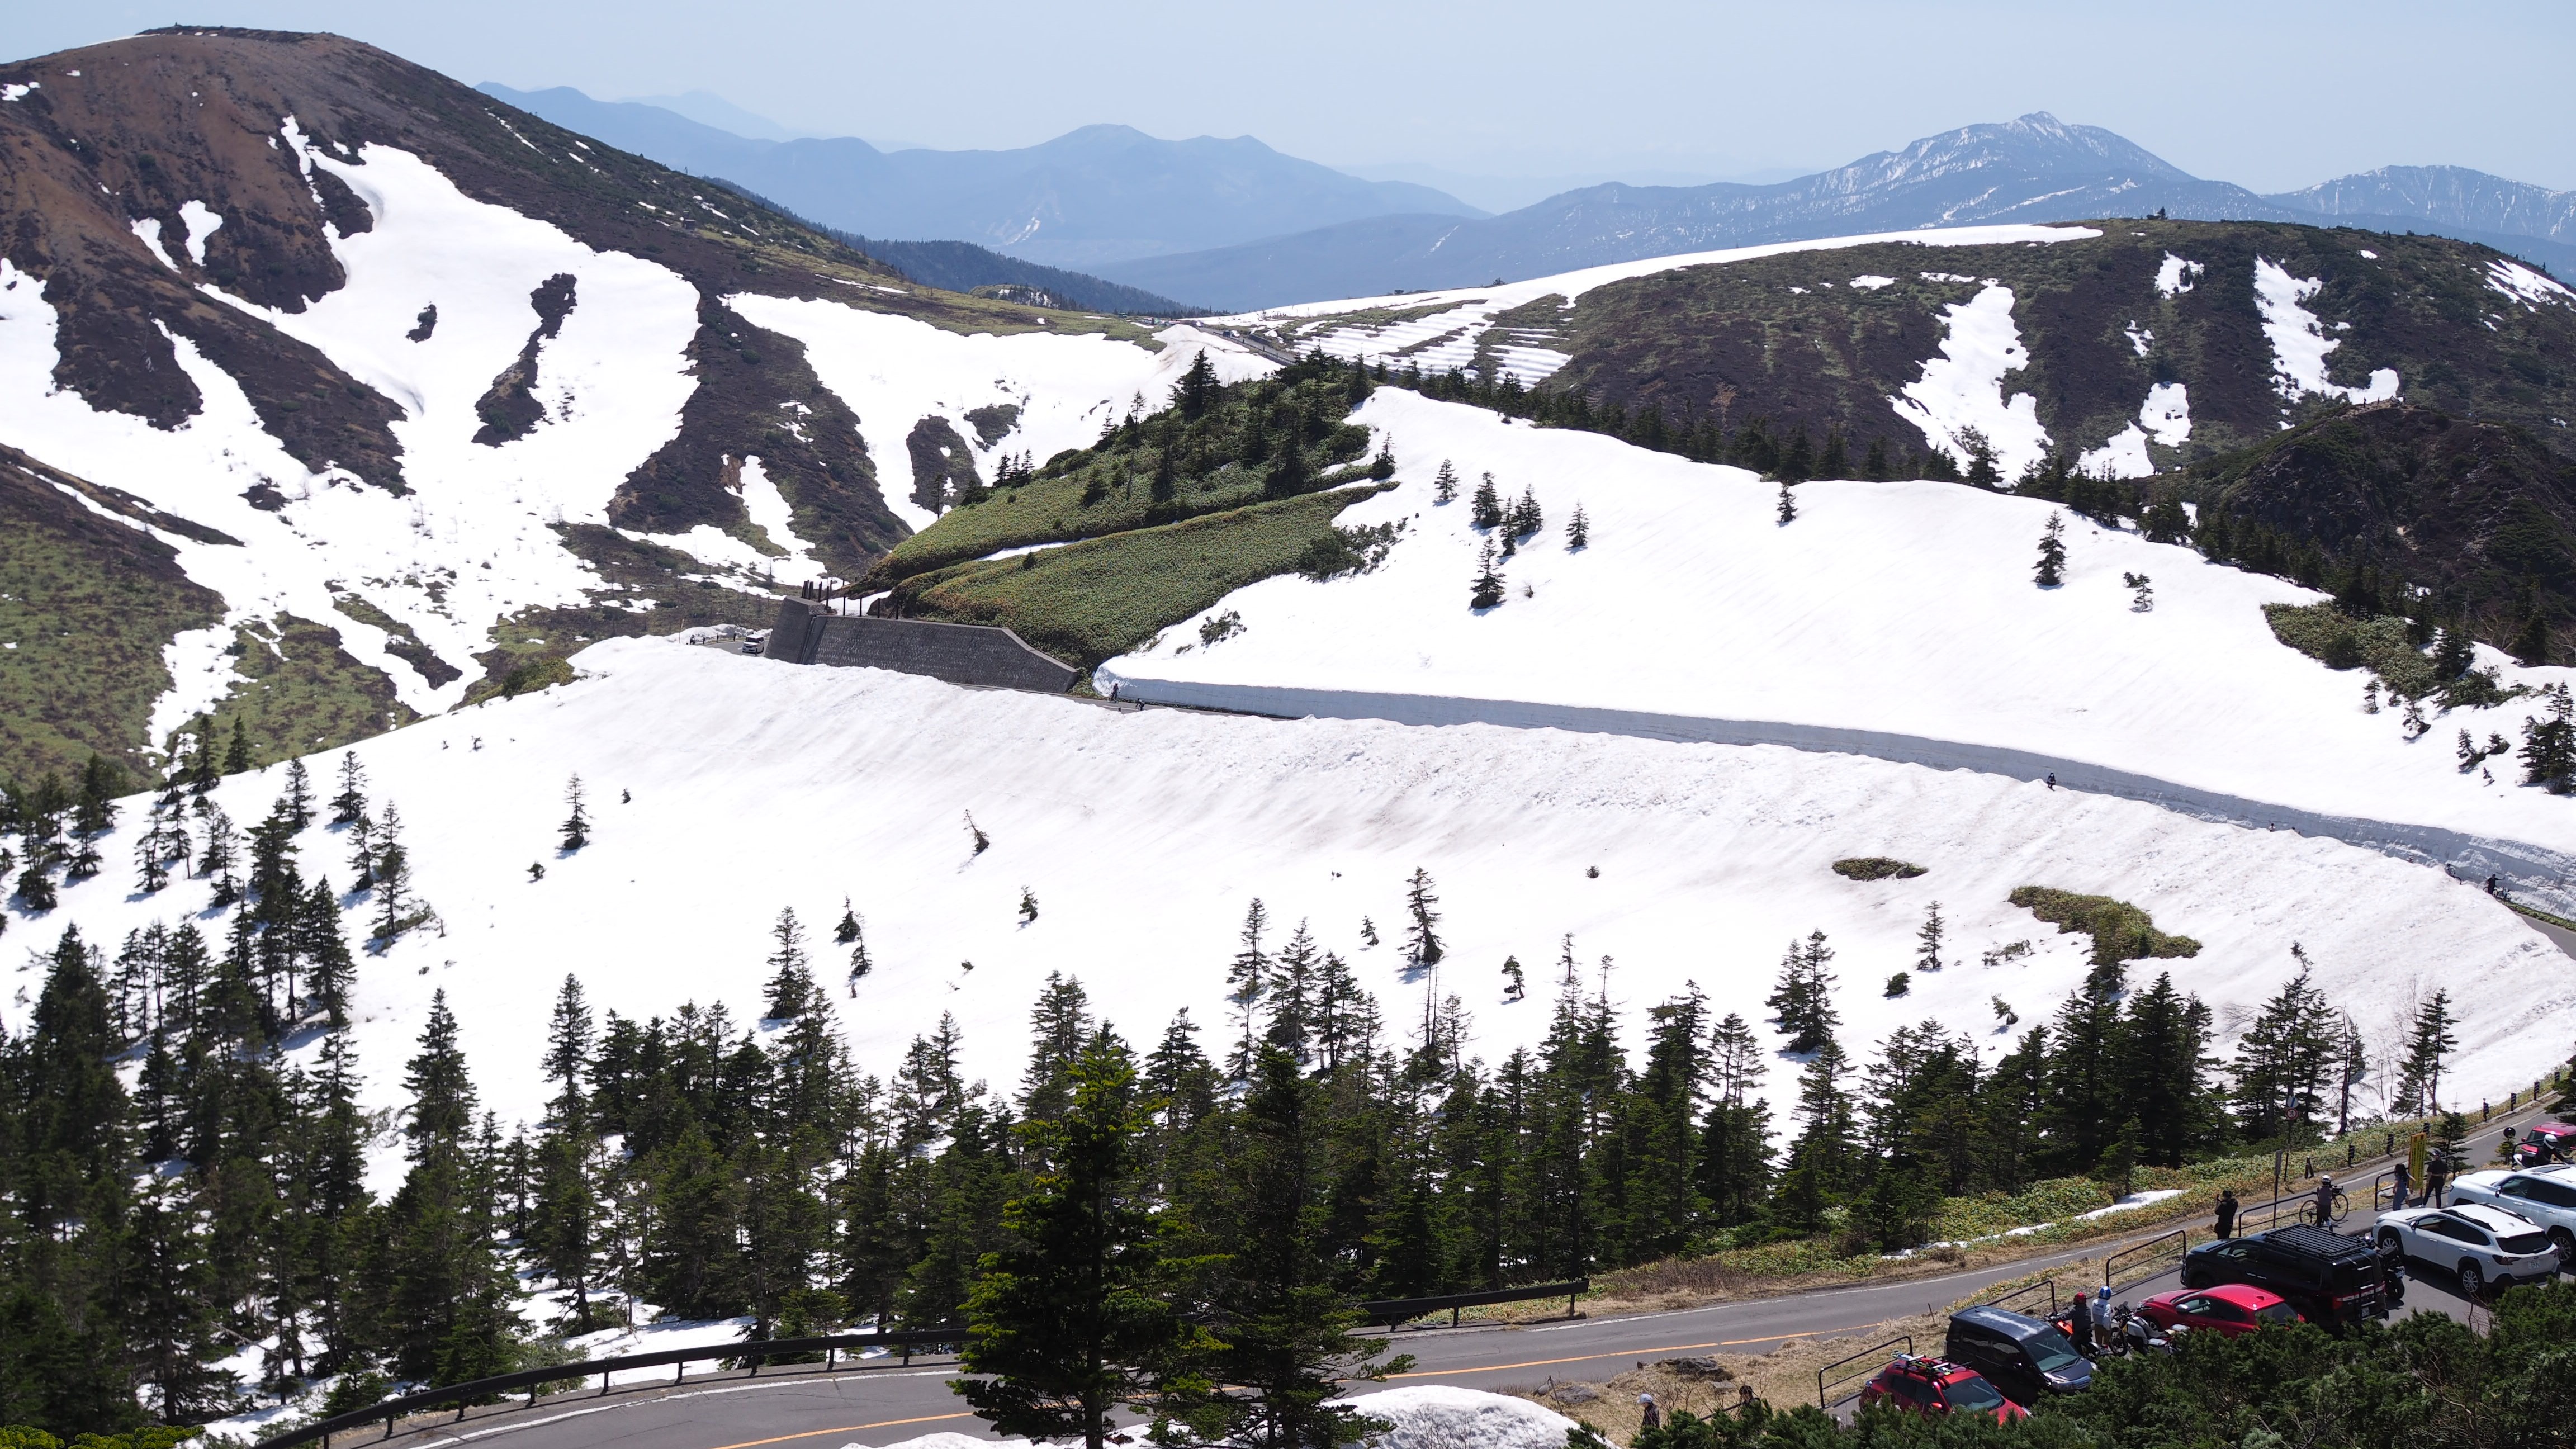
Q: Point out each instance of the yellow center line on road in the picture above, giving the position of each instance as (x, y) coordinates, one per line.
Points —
(844, 1429)
(1626, 1353)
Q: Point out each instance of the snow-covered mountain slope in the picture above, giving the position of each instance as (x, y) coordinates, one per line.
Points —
(757, 786)
(380, 359)
(1902, 609)
(2133, 347)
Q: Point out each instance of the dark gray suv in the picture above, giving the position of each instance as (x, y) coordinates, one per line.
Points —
(2025, 1357)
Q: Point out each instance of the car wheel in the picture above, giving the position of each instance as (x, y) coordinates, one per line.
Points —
(2565, 1242)
(2388, 1242)
(2473, 1283)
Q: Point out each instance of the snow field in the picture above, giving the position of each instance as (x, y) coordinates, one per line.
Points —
(1964, 387)
(2300, 343)
(1900, 607)
(894, 371)
(1145, 835)
(1428, 1416)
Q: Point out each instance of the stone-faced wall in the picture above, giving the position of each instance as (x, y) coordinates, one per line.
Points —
(958, 653)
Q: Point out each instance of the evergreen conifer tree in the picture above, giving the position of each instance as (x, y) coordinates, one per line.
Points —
(2051, 570)
(2548, 743)
(1802, 1002)
(1578, 530)
(1485, 509)
(237, 755)
(362, 852)
(847, 930)
(1788, 506)
(2429, 1041)
(576, 826)
(329, 970)
(1421, 940)
(569, 1037)
(1444, 484)
(1067, 1321)
(297, 802)
(1247, 976)
(396, 909)
(1927, 939)
(1487, 592)
(1834, 459)
(790, 992)
(1874, 465)
(350, 805)
(101, 783)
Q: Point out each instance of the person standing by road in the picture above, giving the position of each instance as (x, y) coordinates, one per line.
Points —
(2325, 1201)
(2227, 1212)
(2400, 1183)
(2079, 1323)
(2437, 1173)
(1650, 1415)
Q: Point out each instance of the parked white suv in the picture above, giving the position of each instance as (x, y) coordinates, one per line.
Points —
(2482, 1244)
(2546, 1195)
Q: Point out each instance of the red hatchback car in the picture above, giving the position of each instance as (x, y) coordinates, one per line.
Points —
(2229, 1308)
(1925, 1385)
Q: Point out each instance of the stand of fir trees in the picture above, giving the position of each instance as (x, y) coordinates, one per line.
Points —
(182, 1161)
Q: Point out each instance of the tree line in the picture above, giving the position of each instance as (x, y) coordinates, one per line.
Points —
(183, 1150)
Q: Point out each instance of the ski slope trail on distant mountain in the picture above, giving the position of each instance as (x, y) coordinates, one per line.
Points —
(1143, 837)
(1898, 619)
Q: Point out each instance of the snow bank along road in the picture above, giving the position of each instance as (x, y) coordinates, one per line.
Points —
(1144, 836)
(1891, 619)
(894, 1403)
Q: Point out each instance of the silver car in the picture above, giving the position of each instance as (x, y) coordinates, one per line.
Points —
(2546, 1195)
(2482, 1244)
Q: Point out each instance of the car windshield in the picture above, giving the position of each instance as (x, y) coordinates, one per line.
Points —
(1972, 1393)
(2051, 1351)
(2277, 1313)
(2525, 1243)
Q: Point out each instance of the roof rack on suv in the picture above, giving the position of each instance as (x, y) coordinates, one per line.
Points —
(2311, 1239)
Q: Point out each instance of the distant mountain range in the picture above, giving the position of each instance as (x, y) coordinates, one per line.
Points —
(2033, 169)
(1097, 195)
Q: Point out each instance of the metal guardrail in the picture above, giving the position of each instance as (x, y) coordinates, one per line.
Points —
(2139, 1255)
(475, 1391)
(1874, 1353)
(1392, 1311)
(2011, 1297)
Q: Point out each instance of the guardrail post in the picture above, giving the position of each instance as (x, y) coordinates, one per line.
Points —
(389, 1426)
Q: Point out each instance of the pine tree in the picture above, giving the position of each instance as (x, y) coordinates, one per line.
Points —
(1927, 938)
(790, 993)
(569, 1038)
(1246, 978)
(95, 812)
(1788, 506)
(1028, 906)
(1514, 986)
(330, 970)
(2284, 1061)
(1197, 389)
(442, 1095)
(1487, 592)
(860, 965)
(1526, 518)
(297, 802)
(1444, 485)
(1422, 946)
(1874, 465)
(2548, 742)
(1059, 1026)
(1802, 1002)
(1834, 460)
(2429, 1042)
(1485, 509)
(2531, 640)
(847, 931)
(975, 833)
(1067, 1321)
(1578, 530)
(2051, 570)
(237, 755)
(576, 826)
(350, 805)
(396, 909)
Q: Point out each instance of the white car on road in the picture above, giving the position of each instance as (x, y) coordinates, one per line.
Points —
(2480, 1243)
(2546, 1195)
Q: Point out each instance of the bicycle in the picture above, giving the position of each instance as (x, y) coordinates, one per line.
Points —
(2342, 1206)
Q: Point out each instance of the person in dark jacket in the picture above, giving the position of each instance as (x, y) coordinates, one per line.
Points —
(2437, 1174)
(2079, 1323)
(2227, 1212)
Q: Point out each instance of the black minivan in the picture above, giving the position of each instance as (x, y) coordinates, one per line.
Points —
(2023, 1356)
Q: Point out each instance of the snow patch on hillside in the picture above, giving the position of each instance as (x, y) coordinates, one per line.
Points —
(2165, 417)
(202, 224)
(2299, 341)
(769, 510)
(1902, 607)
(2526, 286)
(1143, 836)
(2174, 276)
(894, 371)
(1438, 1416)
(1963, 388)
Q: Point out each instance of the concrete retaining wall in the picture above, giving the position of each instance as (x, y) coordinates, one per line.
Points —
(958, 653)
(2535, 873)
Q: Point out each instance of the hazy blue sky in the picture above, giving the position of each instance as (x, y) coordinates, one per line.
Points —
(2270, 95)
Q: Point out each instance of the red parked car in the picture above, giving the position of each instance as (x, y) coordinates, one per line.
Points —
(2545, 1143)
(2229, 1308)
(1921, 1384)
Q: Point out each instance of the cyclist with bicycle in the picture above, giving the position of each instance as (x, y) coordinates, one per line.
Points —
(2326, 1201)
